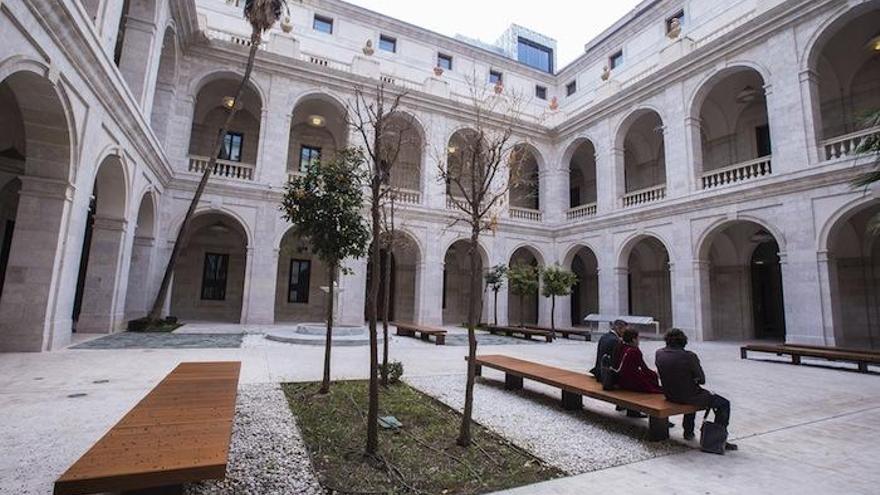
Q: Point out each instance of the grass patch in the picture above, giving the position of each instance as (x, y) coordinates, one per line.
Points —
(421, 458)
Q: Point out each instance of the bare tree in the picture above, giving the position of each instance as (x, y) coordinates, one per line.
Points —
(479, 169)
(261, 15)
(371, 117)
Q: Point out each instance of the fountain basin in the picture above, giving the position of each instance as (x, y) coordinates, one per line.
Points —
(316, 334)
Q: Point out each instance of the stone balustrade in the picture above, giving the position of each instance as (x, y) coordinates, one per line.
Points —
(847, 145)
(739, 172)
(223, 168)
(644, 196)
(582, 211)
(526, 214)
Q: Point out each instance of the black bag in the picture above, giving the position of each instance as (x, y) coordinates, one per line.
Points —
(713, 437)
(608, 374)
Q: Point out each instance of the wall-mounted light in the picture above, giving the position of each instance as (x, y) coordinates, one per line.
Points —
(228, 102)
(874, 44)
(451, 149)
(316, 121)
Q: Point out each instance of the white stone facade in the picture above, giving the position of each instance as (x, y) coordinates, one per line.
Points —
(705, 181)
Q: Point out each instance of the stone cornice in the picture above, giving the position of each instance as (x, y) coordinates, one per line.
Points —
(82, 49)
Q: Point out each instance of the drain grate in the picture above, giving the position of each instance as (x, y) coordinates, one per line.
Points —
(98, 382)
(76, 396)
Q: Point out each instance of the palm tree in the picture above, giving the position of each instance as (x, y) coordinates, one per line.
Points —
(262, 15)
(871, 146)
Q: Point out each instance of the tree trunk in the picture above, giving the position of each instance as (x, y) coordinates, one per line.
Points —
(522, 307)
(156, 311)
(496, 308)
(372, 314)
(464, 433)
(325, 384)
(386, 310)
(553, 316)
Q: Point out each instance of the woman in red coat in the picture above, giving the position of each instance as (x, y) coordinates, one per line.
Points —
(634, 374)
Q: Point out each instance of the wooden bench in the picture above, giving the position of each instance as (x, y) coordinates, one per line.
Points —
(861, 358)
(179, 433)
(411, 330)
(526, 332)
(576, 385)
(566, 332)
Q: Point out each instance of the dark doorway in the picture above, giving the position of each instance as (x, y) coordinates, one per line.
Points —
(4, 251)
(84, 263)
(767, 299)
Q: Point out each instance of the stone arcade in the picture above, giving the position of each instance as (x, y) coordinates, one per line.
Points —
(703, 178)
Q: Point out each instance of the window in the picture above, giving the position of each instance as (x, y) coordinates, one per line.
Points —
(535, 55)
(232, 147)
(298, 285)
(214, 277)
(444, 61)
(762, 140)
(615, 60)
(308, 156)
(388, 44)
(323, 24)
(669, 22)
(571, 88)
(496, 77)
(541, 92)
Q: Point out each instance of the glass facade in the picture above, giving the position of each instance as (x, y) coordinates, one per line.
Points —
(534, 55)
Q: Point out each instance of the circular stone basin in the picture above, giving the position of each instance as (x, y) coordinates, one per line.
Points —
(316, 334)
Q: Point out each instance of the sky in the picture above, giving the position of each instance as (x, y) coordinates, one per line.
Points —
(571, 22)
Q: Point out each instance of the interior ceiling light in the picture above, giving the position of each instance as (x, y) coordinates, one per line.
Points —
(452, 150)
(219, 228)
(316, 121)
(874, 44)
(228, 102)
(747, 95)
(762, 236)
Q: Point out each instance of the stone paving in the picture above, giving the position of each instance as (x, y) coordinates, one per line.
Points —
(808, 429)
(137, 340)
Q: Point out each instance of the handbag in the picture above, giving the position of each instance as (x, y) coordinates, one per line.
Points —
(608, 374)
(713, 437)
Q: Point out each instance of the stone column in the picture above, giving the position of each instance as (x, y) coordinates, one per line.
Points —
(812, 117)
(694, 147)
(137, 298)
(618, 175)
(177, 142)
(262, 278)
(353, 298)
(678, 167)
(829, 290)
(246, 289)
(434, 190)
(109, 25)
(100, 293)
(702, 300)
(431, 283)
(137, 58)
(28, 313)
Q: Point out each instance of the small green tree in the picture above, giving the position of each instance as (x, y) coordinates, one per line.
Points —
(523, 280)
(495, 281)
(324, 206)
(557, 282)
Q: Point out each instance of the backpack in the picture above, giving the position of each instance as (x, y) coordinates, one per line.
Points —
(608, 373)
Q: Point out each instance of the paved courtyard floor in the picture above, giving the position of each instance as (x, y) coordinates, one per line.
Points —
(807, 429)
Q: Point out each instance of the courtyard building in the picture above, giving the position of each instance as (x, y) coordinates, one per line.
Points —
(697, 171)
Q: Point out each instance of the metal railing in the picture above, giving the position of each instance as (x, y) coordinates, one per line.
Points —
(739, 172)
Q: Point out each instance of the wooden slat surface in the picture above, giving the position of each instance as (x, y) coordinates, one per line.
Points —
(817, 352)
(419, 328)
(580, 383)
(180, 432)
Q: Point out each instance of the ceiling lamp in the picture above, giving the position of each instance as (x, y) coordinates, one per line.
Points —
(762, 236)
(316, 121)
(228, 102)
(874, 44)
(219, 228)
(452, 149)
(748, 95)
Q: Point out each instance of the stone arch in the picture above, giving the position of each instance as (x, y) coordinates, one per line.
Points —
(640, 141)
(209, 277)
(240, 220)
(647, 276)
(539, 256)
(166, 84)
(404, 288)
(583, 261)
(407, 134)
(135, 44)
(318, 129)
(580, 161)
(527, 311)
(525, 189)
(140, 280)
(300, 276)
(213, 74)
(709, 80)
(456, 292)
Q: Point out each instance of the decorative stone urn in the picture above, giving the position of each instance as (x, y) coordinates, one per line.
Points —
(674, 28)
(606, 73)
(368, 48)
(438, 71)
(286, 24)
(554, 104)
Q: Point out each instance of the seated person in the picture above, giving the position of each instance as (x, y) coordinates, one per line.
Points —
(633, 373)
(606, 345)
(682, 375)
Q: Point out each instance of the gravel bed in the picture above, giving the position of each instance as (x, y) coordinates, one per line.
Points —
(267, 455)
(575, 442)
(137, 340)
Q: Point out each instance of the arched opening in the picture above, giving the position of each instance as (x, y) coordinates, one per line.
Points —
(140, 283)
(96, 308)
(650, 282)
(523, 308)
(846, 61)
(134, 44)
(644, 158)
(582, 175)
(734, 128)
(457, 292)
(403, 138)
(318, 128)
(238, 155)
(301, 274)
(525, 178)
(403, 285)
(461, 153)
(585, 293)
(854, 256)
(743, 284)
(163, 96)
(210, 273)
(34, 144)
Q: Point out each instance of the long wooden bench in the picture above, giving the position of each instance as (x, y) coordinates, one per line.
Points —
(525, 332)
(179, 433)
(566, 333)
(861, 358)
(412, 330)
(576, 385)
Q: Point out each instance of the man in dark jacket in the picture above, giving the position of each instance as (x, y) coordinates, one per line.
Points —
(607, 344)
(681, 375)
